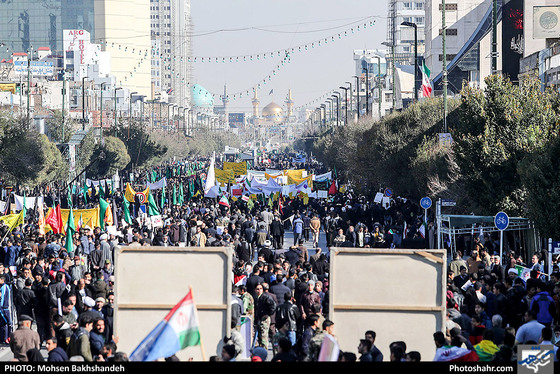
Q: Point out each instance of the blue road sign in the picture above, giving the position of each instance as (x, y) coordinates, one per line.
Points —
(426, 202)
(555, 248)
(388, 192)
(501, 220)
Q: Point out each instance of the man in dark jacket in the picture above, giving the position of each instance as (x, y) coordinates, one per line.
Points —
(277, 233)
(56, 354)
(264, 309)
(288, 313)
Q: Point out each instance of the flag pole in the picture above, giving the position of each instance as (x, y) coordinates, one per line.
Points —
(199, 332)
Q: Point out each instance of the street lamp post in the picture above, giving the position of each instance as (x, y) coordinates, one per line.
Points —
(345, 104)
(84, 103)
(29, 58)
(330, 116)
(337, 97)
(357, 96)
(323, 116)
(101, 107)
(350, 96)
(412, 24)
(115, 111)
(130, 113)
(393, 73)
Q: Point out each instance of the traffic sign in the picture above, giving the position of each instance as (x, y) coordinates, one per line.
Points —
(555, 248)
(501, 220)
(388, 192)
(448, 202)
(426, 202)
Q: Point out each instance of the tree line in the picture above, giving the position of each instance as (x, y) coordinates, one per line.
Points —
(504, 154)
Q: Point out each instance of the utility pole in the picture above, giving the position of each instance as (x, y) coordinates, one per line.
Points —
(29, 83)
(494, 36)
(379, 84)
(444, 62)
(63, 95)
(83, 103)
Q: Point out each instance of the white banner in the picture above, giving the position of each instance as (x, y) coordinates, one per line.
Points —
(157, 185)
(29, 202)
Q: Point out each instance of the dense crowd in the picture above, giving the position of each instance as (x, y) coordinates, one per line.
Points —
(63, 299)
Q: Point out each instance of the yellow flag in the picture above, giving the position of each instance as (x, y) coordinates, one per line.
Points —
(13, 220)
(129, 193)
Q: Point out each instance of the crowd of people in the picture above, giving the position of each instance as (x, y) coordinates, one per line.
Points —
(63, 299)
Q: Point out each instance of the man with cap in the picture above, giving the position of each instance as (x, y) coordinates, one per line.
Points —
(105, 247)
(308, 299)
(462, 278)
(77, 270)
(267, 252)
(259, 354)
(24, 338)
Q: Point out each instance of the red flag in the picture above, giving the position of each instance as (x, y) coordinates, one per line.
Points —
(54, 220)
(332, 189)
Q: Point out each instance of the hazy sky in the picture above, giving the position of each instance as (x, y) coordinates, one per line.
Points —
(230, 28)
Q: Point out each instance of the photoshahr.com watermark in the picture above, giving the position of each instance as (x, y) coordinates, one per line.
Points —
(481, 368)
(533, 359)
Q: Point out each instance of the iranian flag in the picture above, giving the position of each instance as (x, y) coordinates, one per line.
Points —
(426, 84)
(422, 230)
(224, 201)
(178, 330)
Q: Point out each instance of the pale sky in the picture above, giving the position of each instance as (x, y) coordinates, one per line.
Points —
(231, 28)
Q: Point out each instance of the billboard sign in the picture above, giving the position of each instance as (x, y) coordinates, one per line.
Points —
(546, 22)
(38, 68)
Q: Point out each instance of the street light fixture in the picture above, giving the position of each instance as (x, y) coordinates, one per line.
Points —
(393, 72)
(84, 103)
(412, 24)
(350, 101)
(337, 97)
(345, 104)
(130, 113)
(357, 95)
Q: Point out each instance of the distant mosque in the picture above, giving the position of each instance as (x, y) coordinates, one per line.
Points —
(272, 114)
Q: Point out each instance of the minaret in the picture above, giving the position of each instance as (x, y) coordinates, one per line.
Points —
(255, 102)
(290, 104)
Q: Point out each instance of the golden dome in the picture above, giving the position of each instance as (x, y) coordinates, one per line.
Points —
(272, 111)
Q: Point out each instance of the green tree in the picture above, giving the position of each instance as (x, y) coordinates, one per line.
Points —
(540, 176)
(496, 129)
(26, 156)
(116, 158)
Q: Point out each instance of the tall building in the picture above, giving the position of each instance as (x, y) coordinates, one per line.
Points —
(171, 26)
(123, 28)
(27, 25)
(402, 36)
(469, 46)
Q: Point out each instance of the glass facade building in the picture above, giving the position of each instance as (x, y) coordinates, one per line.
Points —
(27, 25)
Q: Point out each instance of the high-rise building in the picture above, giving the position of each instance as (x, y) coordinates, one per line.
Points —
(469, 48)
(121, 27)
(402, 36)
(171, 26)
(27, 25)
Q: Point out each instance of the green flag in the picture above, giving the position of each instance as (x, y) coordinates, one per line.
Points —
(181, 198)
(174, 195)
(162, 197)
(101, 191)
(24, 209)
(127, 217)
(85, 190)
(103, 205)
(70, 231)
(152, 207)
